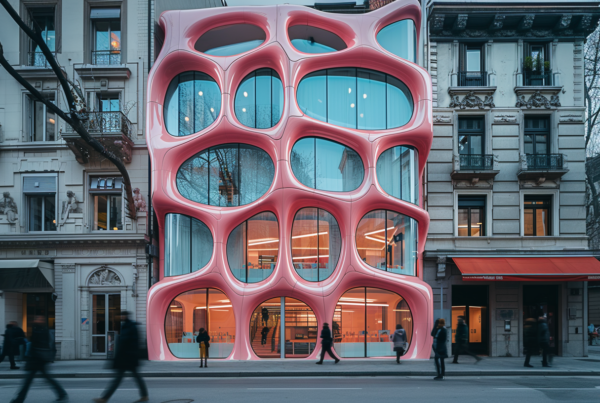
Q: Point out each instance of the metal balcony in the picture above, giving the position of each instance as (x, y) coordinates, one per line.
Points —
(472, 79)
(106, 57)
(537, 78)
(544, 162)
(37, 59)
(477, 162)
(539, 168)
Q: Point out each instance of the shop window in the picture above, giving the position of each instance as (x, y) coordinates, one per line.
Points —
(107, 196)
(41, 120)
(106, 317)
(398, 173)
(471, 215)
(326, 165)
(253, 248)
(106, 34)
(309, 39)
(40, 195)
(192, 103)
(259, 99)
(44, 19)
(188, 244)
(536, 212)
(316, 244)
(355, 98)
(226, 175)
(364, 320)
(229, 40)
(206, 308)
(400, 38)
(387, 241)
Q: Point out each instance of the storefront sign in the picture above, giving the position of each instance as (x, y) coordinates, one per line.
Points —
(531, 278)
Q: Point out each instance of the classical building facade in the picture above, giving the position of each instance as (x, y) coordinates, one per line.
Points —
(505, 181)
(68, 251)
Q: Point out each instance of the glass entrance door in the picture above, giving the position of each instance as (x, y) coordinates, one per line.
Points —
(542, 301)
(106, 312)
(471, 303)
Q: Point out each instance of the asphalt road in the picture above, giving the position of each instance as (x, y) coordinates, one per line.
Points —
(304, 390)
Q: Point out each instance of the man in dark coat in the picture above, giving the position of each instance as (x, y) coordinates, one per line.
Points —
(544, 340)
(440, 335)
(13, 338)
(264, 333)
(461, 339)
(265, 315)
(126, 359)
(530, 341)
(326, 344)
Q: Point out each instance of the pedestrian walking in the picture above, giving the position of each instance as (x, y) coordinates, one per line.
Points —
(399, 340)
(591, 333)
(203, 341)
(13, 338)
(530, 341)
(126, 359)
(264, 333)
(265, 315)
(326, 344)
(461, 339)
(40, 354)
(439, 347)
(544, 341)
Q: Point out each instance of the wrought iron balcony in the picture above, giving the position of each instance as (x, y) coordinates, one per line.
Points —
(477, 162)
(543, 162)
(37, 59)
(537, 78)
(106, 57)
(472, 79)
(108, 123)
(538, 168)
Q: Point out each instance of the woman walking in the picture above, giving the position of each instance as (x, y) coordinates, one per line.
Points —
(399, 339)
(440, 335)
(203, 341)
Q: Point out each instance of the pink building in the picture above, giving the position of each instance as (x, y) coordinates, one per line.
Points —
(288, 147)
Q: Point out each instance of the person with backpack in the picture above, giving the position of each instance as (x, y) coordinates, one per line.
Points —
(203, 340)
(399, 340)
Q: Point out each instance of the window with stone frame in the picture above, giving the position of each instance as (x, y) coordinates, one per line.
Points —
(40, 200)
(471, 215)
(106, 35)
(106, 194)
(537, 212)
(41, 122)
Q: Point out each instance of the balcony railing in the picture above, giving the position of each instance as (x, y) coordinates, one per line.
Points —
(106, 57)
(538, 78)
(473, 79)
(37, 59)
(477, 162)
(548, 162)
(108, 123)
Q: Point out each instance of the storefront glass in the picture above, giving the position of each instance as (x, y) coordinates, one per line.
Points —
(106, 317)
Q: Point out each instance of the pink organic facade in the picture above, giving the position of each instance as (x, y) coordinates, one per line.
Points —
(250, 238)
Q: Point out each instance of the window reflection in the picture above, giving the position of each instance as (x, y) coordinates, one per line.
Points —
(388, 241)
(398, 173)
(253, 247)
(259, 99)
(309, 39)
(229, 40)
(188, 244)
(226, 175)
(400, 38)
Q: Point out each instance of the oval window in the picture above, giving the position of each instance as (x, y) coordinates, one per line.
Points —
(400, 38)
(380, 231)
(227, 175)
(192, 103)
(309, 39)
(316, 243)
(259, 99)
(229, 40)
(355, 98)
(253, 247)
(326, 165)
(188, 244)
(398, 173)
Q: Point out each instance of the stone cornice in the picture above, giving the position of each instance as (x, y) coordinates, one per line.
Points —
(54, 240)
(90, 71)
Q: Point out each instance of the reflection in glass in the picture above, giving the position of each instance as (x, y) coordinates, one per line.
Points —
(309, 39)
(229, 40)
(388, 241)
(188, 312)
(192, 103)
(226, 175)
(259, 99)
(326, 165)
(316, 244)
(400, 38)
(398, 173)
(188, 244)
(253, 247)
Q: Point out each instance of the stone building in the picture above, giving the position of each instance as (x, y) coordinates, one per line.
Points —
(67, 249)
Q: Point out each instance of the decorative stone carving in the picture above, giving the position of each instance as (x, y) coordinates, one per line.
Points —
(438, 22)
(498, 21)
(586, 21)
(564, 22)
(505, 118)
(471, 101)
(104, 276)
(138, 200)
(71, 205)
(537, 100)
(461, 22)
(571, 118)
(442, 119)
(9, 208)
(526, 21)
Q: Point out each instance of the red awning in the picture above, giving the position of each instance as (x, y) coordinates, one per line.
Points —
(529, 268)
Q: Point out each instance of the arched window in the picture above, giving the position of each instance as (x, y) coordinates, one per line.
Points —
(259, 99)
(253, 247)
(316, 243)
(400, 38)
(387, 240)
(226, 175)
(398, 173)
(188, 244)
(309, 39)
(355, 98)
(326, 165)
(192, 103)
(229, 40)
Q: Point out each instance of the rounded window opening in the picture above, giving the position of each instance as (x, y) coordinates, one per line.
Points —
(326, 165)
(309, 39)
(192, 103)
(299, 329)
(387, 241)
(188, 244)
(253, 247)
(364, 320)
(316, 243)
(206, 308)
(400, 38)
(259, 99)
(229, 40)
(227, 175)
(398, 173)
(355, 98)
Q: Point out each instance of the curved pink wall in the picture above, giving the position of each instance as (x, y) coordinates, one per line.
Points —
(286, 195)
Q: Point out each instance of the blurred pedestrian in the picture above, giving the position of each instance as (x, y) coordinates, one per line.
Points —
(203, 340)
(440, 335)
(544, 341)
(126, 359)
(591, 331)
(40, 354)
(530, 341)
(265, 315)
(326, 344)
(13, 339)
(399, 339)
(461, 339)
(264, 333)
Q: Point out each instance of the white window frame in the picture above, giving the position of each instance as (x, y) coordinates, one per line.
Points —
(25, 207)
(554, 224)
(488, 210)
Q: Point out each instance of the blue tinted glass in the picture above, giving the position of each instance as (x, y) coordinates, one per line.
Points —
(399, 105)
(263, 100)
(341, 97)
(259, 99)
(312, 95)
(308, 46)
(371, 100)
(276, 99)
(397, 173)
(234, 49)
(400, 38)
(188, 244)
(303, 161)
(245, 101)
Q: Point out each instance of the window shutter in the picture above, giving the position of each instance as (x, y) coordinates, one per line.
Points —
(39, 184)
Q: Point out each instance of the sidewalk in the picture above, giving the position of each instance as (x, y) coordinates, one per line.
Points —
(501, 366)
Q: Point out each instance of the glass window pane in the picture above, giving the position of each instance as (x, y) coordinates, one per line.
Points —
(265, 329)
(186, 104)
(477, 222)
(276, 99)
(38, 127)
(35, 213)
(476, 146)
(312, 95)
(400, 38)
(341, 97)
(202, 244)
(50, 213)
(303, 161)
(339, 168)
(528, 144)
(177, 244)
(192, 178)
(263, 99)
(102, 40)
(402, 235)
(235, 48)
(399, 103)
(174, 323)
(528, 224)
(236, 252)
(99, 314)
(50, 125)
(224, 176)
(256, 173)
(541, 146)
(307, 46)
(263, 246)
(245, 101)
(115, 35)
(101, 212)
(381, 321)
(330, 244)
(463, 223)
(541, 222)
(114, 312)
(397, 173)
(473, 59)
(349, 318)
(371, 100)
(116, 206)
(304, 244)
(301, 331)
(221, 324)
(370, 239)
(463, 145)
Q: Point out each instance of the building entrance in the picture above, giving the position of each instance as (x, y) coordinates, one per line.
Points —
(471, 302)
(106, 312)
(542, 300)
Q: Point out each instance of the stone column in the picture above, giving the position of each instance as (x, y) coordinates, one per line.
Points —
(66, 315)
